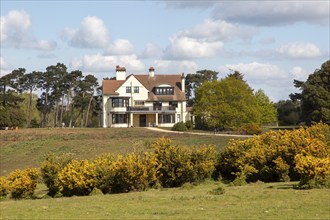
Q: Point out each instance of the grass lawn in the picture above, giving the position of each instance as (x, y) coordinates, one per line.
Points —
(27, 148)
(253, 201)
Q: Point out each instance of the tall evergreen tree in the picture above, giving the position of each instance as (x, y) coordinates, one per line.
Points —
(315, 95)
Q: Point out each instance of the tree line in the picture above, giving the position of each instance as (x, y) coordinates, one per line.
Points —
(56, 97)
(65, 98)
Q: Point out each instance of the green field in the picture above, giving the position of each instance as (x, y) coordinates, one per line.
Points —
(28, 147)
(254, 201)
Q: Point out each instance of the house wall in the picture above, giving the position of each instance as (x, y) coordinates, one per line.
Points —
(152, 119)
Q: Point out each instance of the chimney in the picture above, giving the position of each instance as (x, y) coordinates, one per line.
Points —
(120, 73)
(151, 72)
(183, 83)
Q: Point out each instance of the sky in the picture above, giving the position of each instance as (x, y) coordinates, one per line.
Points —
(270, 42)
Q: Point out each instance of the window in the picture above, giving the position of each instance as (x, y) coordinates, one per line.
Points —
(164, 90)
(166, 118)
(178, 118)
(136, 89)
(119, 118)
(119, 102)
(173, 104)
(137, 103)
(128, 89)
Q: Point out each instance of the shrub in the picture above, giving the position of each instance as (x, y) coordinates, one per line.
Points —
(314, 171)
(189, 125)
(77, 178)
(104, 172)
(180, 126)
(134, 172)
(250, 129)
(4, 187)
(50, 168)
(179, 165)
(271, 156)
(21, 185)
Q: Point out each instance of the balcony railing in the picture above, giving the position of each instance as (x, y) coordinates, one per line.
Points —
(151, 109)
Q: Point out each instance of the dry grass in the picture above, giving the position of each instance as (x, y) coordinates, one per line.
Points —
(26, 148)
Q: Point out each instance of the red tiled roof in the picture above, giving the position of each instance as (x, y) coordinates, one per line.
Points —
(110, 86)
(157, 80)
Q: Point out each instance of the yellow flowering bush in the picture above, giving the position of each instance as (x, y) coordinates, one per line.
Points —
(77, 178)
(21, 185)
(180, 165)
(104, 172)
(272, 156)
(50, 168)
(4, 187)
(314, 171)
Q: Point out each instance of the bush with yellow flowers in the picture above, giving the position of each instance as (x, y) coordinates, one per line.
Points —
(50, 168)
(134, 172)
(181, 165)
(104, 172)
(4, 187)
(22, 183)
(273, 156)
(77, 178)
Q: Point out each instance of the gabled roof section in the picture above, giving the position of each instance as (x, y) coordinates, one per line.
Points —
(109, 87)
(172, 80)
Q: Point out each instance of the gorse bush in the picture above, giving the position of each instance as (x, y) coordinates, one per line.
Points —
(274, 156)
(77, 178)
(134, 172)
(50, 169)
(181, 165)
(22, 183)
(4, 187)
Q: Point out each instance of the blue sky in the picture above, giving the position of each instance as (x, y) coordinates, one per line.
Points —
(270, 42)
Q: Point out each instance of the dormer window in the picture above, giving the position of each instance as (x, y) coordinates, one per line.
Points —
(164, 90)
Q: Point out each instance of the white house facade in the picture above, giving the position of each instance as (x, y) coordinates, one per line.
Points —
(144, 100)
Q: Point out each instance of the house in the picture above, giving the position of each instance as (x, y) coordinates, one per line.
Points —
(144, 100)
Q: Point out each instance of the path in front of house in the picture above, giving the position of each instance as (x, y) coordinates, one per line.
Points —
(197, 133)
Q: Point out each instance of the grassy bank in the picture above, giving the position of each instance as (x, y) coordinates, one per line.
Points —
(26, 148)
(253, 201)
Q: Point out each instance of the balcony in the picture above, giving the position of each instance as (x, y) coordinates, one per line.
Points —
(151, 109)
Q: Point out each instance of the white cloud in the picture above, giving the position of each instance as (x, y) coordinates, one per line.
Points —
(299, 73)
(101, 63)
(259, 72)
(46, 45)
(187, 48)
(268, 13)
(14, 27)
(91, 33)
(173, 67)
(16, 32)
(300, 50)
(205, 39)
(5, 67)
(120, 47)
(215, 30)
(151, 51)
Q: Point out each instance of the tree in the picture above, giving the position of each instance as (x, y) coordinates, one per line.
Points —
(194, 81)
(228, 103)
(30, 83)
(268, 110)
(315, 95)
(288, 112)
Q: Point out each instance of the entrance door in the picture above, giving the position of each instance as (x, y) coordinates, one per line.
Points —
(143, 120)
